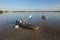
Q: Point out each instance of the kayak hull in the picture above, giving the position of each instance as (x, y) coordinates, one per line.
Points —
(29, 26)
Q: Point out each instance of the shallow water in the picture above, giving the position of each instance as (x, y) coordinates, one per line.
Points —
(49, 28)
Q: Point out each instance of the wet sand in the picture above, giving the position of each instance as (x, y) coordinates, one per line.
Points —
(48, 31)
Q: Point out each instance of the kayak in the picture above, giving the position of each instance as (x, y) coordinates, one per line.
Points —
(28, 26)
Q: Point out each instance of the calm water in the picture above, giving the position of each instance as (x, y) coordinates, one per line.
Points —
(49, 28)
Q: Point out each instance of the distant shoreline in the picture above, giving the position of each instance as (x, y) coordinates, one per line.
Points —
(35, 11)
(27, 11)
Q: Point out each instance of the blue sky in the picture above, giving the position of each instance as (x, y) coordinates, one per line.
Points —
(28, 4)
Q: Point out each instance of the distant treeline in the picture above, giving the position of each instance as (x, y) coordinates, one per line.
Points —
(27, 11)
(1, 11)
(35, 11)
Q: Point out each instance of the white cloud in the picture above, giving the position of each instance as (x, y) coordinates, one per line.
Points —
(51, 8)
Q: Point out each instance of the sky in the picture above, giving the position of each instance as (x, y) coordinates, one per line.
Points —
(30, 4)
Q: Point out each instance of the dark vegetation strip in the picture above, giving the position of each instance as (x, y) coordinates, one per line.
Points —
(1, 11)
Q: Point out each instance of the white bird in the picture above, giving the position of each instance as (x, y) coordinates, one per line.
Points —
(30, 16)
(17, 26)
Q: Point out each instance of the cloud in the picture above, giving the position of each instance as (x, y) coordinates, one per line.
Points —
(53, 8)
(50, 8)
(57, 8)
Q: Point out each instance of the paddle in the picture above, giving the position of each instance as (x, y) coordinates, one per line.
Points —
(30, 16)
